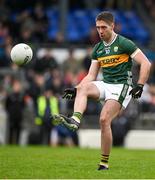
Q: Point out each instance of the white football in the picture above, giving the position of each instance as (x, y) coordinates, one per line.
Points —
(21, 54)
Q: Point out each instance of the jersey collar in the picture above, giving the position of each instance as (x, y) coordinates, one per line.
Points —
(108, 44)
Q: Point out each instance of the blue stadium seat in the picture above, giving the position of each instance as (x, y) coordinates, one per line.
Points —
(73, 34)
(79, 23)
(52, 13)
(52, 33)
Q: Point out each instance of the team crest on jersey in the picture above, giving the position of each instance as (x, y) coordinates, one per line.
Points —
(115, 48)
(107, 50)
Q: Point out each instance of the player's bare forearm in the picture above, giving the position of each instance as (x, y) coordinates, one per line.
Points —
(145, 67)
(144, 72)
(92, 74)
(85, 80)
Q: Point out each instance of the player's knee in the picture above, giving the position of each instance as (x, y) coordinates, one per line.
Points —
(83, 88)
(80, 89)
(105, 121)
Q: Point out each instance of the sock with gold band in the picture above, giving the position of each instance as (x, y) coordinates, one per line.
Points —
(104, 160)
(77, 116)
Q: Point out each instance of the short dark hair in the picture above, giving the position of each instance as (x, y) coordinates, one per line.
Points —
(106, 16)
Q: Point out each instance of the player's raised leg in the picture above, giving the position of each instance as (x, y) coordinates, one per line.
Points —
(80, 104)
(110, 110)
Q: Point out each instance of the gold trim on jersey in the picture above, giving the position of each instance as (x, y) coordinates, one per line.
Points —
(113, 60)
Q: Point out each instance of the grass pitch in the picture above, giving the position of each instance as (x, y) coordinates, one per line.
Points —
(74, 163)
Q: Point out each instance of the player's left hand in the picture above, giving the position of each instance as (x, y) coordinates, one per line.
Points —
(136, 92)
(69, 93)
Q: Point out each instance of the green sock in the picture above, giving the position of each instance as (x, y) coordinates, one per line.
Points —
(77, 116)
(104, 160)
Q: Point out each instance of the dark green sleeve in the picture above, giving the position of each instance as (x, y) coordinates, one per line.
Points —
(93, 55)
(128, 46)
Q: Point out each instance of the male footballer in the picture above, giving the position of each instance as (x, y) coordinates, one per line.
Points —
(113, 55)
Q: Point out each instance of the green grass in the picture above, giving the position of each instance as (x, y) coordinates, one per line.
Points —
(74, 163)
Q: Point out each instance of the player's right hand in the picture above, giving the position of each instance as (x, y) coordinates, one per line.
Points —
(69, 93)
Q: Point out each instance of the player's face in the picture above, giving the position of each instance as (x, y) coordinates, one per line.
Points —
(104, 30)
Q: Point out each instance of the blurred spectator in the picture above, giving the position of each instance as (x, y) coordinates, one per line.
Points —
(26, 26)
(14, 107)
(93, 37)
(152, 96)
(148, 3)
(87, 59)
(149, 6)
(5, 39)
(71, 68)
(47, 104)
(3, 115)
(60, 135)
(4, 11)
(7, 83)
(46, 62)
(26, 36)
(120, 127)
(152, 73)
(148, 104)
(146, 97)
(118, 27)
(124, 122)
(59, 39)
(36, 86)
(4, 32)
(41, 23)
(25, 20)
(55, 81)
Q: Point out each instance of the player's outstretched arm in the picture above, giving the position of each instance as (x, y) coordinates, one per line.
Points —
(70, 93)
(92, 73)
(145, 67)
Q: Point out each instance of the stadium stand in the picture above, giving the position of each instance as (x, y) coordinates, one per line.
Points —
(131, 25)
(38, 24)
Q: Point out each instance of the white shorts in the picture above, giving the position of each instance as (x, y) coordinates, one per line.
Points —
(118, 92)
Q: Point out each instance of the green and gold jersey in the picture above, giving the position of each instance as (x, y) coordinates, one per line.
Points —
(115, 59)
